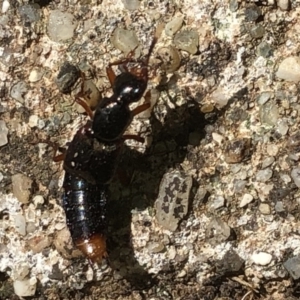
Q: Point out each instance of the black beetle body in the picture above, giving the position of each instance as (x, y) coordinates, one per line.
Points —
(85, 208)
(93, 154)
(113, 115)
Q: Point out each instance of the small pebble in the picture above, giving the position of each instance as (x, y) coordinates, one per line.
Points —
(230, 263)
(172, 252)
(181, 274)
(207, 108)
(38, 199)
(155, 247)
(292, 265)
(272, 150)
(267, 162)
(67, 76)
(124, 40)
(41, 124)
(285, 178)
(3, 133)
(217, 231)
(235, 168)
(25, 288)
(289, 69)
(38, 243)
(219, 96)
(30, 227)
(35, 75)
(61, 26)
(30, 12)
(257, 31)
(173, 199)
(33, 121)
(170, 57)
(174, 25)
(294, 142)
(269, 113)
(264, 49)
(18, 91)
(21, 186)
(5, 6)
(239, 185)
(20, 224)
(263, 98)
(252, 13)
(283, 4)
(261, 258)
(264, 175)
(187, 40)
(246, 199)
(264, 208)
(20, 271)
(64, 245)
(233, 5)
(1, 176)
(216, 202)
(282, 127)
(279, 207)
(295, 174)
(91, 93)
(217, 137)
(237, 150)
(131, 4)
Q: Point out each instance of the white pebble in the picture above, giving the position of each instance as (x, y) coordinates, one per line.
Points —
(217, 202)
(5, 6)
(246, 199)
(264, 208)
(282, 127)
(20, 224)
(38, 199)
(33, 121)
(289, 69)
(25, 288)
(217, 137)
(285, 178)
(35, 75)
(3, 133)
(295, 174)
(283, 4)
(20, 271)
(61, 26)
(21, 186)
(261, 258)
(219, 96)
(272, 150)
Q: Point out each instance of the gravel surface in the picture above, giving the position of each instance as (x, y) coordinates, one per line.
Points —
(210, 209)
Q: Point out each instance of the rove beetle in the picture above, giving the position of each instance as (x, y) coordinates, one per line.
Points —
(92, 156)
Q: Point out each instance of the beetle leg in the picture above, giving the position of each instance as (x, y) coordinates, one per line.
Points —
(143, 106)
(135, 137)
(86, 107)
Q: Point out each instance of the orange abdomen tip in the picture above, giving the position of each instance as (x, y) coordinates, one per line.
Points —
(94, 248)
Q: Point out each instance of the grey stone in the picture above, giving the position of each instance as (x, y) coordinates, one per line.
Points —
(292, 265)
(172, 202)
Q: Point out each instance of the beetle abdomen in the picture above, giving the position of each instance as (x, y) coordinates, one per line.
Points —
(85, 209)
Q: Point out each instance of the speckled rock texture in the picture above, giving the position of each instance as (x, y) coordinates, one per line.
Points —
(224, 116)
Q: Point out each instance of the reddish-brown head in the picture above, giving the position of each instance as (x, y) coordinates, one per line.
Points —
(93, 248)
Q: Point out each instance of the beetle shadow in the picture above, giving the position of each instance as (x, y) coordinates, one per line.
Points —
(168, 149)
